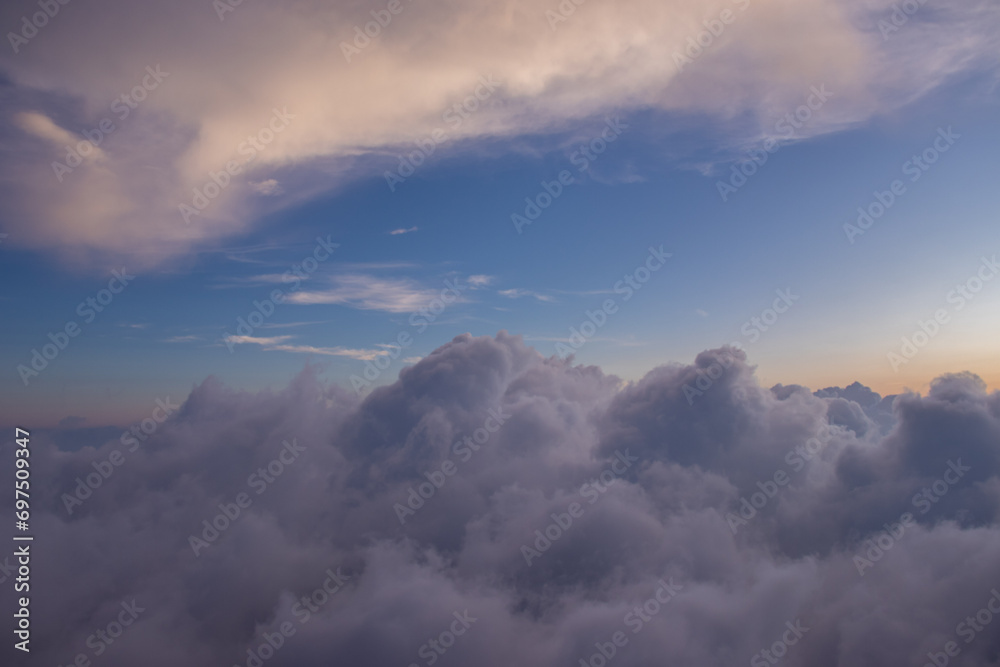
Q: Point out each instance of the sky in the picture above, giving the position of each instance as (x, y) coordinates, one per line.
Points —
(385, 332)
(650, 131)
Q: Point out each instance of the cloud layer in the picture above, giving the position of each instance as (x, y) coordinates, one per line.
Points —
(741, 511)
(269, 100)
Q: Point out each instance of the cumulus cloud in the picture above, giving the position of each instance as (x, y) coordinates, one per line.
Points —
(221, 88)
(556, 503)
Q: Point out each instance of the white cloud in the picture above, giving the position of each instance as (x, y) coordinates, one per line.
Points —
(267, 188)
(480, 280)
(517, 293)
(289, 325)
(42, 126)
(257, 340)
(224, 85)
(366, 292)
(277, 344)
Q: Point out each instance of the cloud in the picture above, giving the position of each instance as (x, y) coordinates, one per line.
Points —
(397, 232)
(658, 473)
(517, 293)
(258, 340)
(350, 118)
(278, 344)
(267, 188)
(366, 292)
(290, 325)
(181, 339)
(480, 280)
(42, 126)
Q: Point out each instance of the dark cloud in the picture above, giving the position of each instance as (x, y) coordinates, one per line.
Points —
(542, 503)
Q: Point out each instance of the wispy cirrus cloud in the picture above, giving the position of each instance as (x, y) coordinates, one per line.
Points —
(43, 127)
(182, 339)
(366, 292)
(361, 267)
(279, 344)
(480, 280)
(400, 231)
(290, 325)
(518, 293)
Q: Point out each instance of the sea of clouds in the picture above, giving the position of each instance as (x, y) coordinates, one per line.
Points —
(497, 507)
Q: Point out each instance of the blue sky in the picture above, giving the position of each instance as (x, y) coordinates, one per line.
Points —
(561, 303)
(656, 184)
